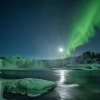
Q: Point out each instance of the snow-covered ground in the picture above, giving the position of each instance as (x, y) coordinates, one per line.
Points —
(84, 66)
(30, 86)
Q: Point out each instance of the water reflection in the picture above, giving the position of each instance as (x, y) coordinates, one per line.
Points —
(62, 76)
(64, 90)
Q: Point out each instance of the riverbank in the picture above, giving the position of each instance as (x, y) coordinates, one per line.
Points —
(29, 86)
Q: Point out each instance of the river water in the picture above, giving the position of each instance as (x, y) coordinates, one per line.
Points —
(71, 84)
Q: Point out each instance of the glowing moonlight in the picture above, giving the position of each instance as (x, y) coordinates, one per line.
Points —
(61, 50)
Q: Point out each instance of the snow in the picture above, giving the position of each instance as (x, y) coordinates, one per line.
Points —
(14, 62)
(84, 66)
(30, 86)
(17, 62)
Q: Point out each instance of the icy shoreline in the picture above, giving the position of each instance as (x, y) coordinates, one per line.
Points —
(29, 86)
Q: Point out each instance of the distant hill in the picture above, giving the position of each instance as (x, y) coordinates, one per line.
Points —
(15, 62)
(86, 58)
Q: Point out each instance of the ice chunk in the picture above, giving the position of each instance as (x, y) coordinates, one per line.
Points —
(29, 86)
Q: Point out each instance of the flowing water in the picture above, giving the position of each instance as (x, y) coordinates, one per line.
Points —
(71, 84)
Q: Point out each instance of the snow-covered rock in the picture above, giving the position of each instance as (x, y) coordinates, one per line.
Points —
(83, 66)
(15, 62)
(86, 58)
(29, 86)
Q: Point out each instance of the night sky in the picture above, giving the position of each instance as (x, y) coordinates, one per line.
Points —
(37, 28)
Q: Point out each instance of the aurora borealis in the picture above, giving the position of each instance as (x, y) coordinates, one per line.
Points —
(38, 28)
(82, 28)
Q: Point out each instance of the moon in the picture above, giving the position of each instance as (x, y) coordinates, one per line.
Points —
(60, 50)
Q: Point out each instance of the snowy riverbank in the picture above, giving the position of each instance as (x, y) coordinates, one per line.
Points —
(29, 86)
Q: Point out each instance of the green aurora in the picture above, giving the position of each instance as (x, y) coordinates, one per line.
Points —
(82, 29)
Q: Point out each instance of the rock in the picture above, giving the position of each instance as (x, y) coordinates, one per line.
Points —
(30, 86)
